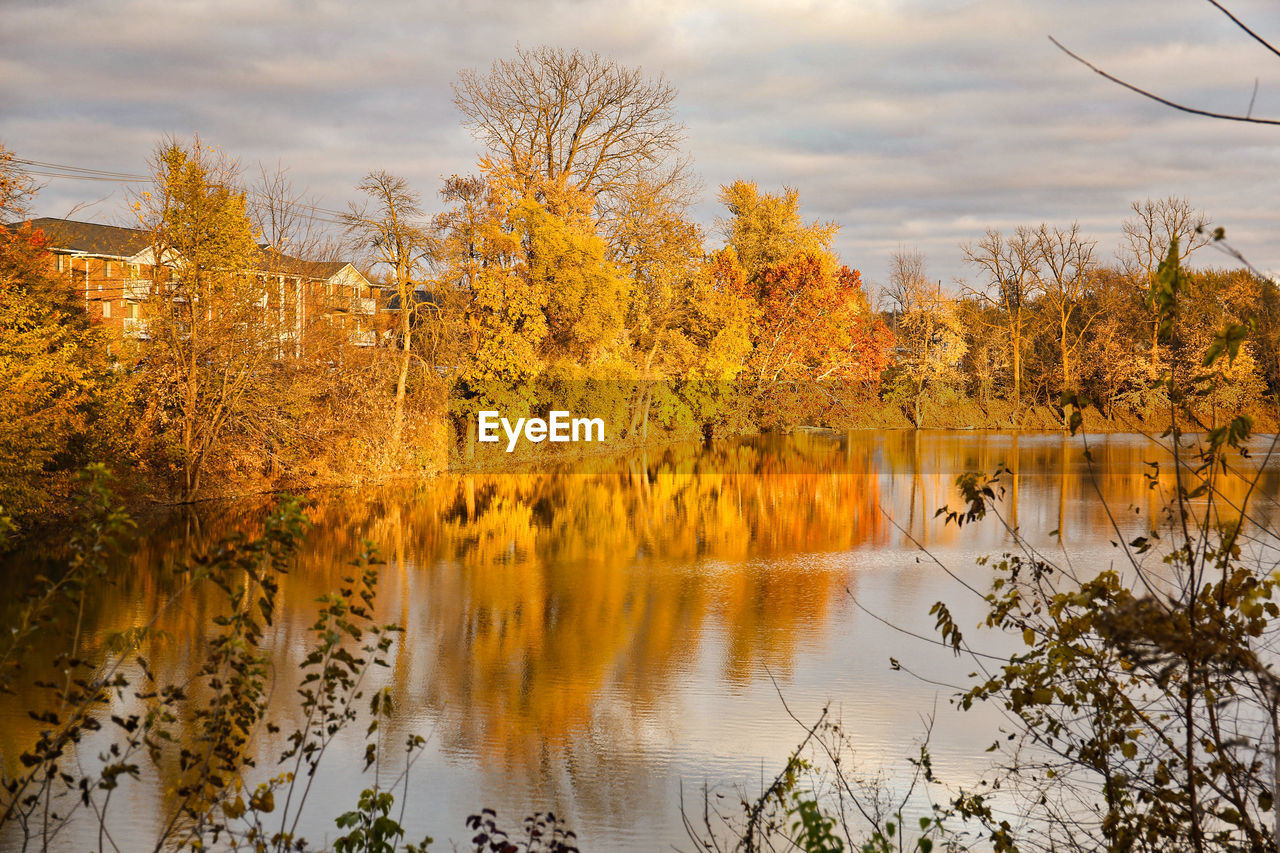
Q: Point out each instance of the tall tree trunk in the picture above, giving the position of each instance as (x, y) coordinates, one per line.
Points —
(397, 424)
(1193, 804)
(189, 414)
(1017, 364)
(648, 402)
(1154, 368)
(1066, 356)
(1066, 371)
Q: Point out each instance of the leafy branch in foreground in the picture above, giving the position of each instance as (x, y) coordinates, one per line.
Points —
(1144, 710)
(54, 607)
(198, 733)
(543, 832)
(49, 601)
(820, 803)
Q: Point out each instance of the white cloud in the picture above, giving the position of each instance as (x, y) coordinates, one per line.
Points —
(912, 122)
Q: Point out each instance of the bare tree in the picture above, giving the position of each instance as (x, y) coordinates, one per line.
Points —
(907, 281)
(1148, 235)
(17, 188)
(287, 218)
(1154, 226)
(927, 326)
(393, 227)
(574, 117)
(1066, 275)
(1010, 266)
(294, 241)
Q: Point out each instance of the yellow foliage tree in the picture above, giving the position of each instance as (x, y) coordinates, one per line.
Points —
(541, 299)
(209, 334)
(766, 229)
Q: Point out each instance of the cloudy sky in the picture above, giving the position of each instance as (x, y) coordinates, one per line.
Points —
(912, 123)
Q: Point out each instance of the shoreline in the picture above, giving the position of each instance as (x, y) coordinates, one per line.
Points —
(142, 495)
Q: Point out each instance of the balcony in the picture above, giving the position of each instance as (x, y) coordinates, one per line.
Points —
(137, 289)
(364, 339)
(364, 305)
(136, 328)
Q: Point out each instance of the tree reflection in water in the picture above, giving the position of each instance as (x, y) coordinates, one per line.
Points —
(551, 618)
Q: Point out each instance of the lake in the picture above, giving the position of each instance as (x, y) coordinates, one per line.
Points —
(596, 640)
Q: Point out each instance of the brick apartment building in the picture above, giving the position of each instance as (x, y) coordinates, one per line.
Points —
(112, 270)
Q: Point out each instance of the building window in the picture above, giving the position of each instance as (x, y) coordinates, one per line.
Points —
(106, 309)
(108, 269)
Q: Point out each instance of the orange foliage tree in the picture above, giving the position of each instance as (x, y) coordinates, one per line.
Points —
(814, 338)
(60, 398)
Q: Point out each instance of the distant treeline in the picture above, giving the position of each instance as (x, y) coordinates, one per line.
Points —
(1045, 317)
(570, 260)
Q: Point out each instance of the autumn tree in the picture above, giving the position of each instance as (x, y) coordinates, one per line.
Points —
(659, 249)
(721, 318)
(392, 226)
(207, 325)
(57, 385)
(702, 346)
(503, 323)
(565, 124)
(17, 188)
(539, 305)
(563, 258)
(1009, 268)
(1154, 226)
(542, 290)
(1113, 367)
(1264, 306)
(1143, 707)
(462, 228)
(1066, 271)
(460, 254)
(1213, 299)
(928, 330)
(765, 229)
(812, 324)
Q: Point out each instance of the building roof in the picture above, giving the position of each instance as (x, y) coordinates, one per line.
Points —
(92, 238)
(421, 296)
(276, 261)
(113, 241)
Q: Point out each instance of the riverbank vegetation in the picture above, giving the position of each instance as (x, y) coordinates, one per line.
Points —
(568, 270)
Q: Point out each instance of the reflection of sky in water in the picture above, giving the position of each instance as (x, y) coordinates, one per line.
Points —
(589, 643)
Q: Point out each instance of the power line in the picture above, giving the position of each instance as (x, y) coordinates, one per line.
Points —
(124, 176)
(65, 171)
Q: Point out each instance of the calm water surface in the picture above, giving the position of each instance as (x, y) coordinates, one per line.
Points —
(591, 641)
